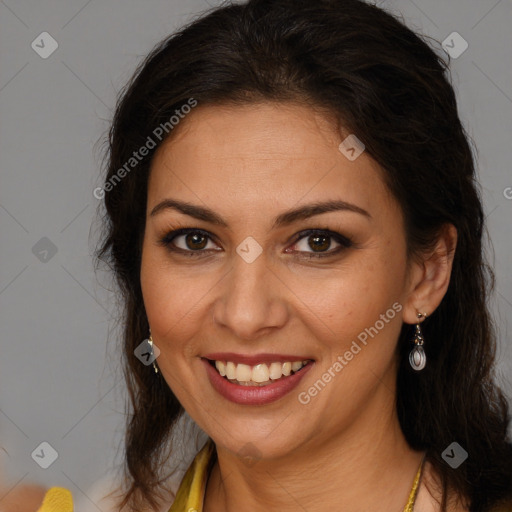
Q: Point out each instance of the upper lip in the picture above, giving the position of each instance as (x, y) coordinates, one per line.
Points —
(253, 360)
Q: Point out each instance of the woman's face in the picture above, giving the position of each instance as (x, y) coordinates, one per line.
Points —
(249, 284)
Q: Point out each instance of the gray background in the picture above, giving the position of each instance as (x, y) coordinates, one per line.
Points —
(59, 379)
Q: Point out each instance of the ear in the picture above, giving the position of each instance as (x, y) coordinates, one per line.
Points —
(429, 278)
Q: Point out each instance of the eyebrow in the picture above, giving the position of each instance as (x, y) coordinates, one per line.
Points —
(285, 218)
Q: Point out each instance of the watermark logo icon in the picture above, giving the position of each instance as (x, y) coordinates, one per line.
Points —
(351, 147)
(249, 249)
(44, 250)
(249, 454)
(45, 455)
(146, 353)
(44, 45)
(455, 45)
(454, 455)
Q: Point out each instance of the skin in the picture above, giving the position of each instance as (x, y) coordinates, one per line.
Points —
(26, 498)
(249, 164)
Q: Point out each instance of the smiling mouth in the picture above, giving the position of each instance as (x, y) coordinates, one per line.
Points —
(258, 375)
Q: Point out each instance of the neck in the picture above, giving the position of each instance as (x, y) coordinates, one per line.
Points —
(368, 466)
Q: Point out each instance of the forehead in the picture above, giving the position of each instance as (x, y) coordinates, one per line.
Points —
(259, 156)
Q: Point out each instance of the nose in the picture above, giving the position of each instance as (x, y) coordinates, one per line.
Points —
(251, 300)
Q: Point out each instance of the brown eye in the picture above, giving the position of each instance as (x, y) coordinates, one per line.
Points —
(188, 240)
(196, 241)
(317, 242)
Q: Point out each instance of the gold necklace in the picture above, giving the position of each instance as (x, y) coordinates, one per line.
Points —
(409, 507)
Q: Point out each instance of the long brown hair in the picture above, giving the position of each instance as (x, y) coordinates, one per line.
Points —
(390, 88)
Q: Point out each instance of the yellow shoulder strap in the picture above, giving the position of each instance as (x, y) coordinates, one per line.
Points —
(190, 494)
(57, 499)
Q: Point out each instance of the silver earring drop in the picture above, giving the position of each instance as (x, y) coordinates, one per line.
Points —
(150, 341)
(417, 356)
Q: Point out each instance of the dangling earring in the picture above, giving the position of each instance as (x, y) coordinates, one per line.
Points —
(417, 356)
(150, 341)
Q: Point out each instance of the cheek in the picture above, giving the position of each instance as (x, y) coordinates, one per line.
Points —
(173, 298)
(357, 311)
(356, 292)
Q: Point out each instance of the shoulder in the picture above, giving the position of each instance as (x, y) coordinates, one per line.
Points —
(23, 498)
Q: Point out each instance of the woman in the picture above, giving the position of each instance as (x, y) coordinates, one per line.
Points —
(293, 220)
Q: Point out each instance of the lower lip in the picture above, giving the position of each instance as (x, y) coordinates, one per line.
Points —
(254, 395)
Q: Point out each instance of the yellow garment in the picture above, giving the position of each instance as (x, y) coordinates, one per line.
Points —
(190, 495)
(57, 499)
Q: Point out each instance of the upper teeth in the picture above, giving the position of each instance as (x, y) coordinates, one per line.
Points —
(259, 373)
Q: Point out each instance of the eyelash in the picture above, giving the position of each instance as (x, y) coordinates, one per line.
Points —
(344, 241)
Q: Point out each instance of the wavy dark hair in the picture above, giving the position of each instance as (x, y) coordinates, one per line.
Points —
(388, 86)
